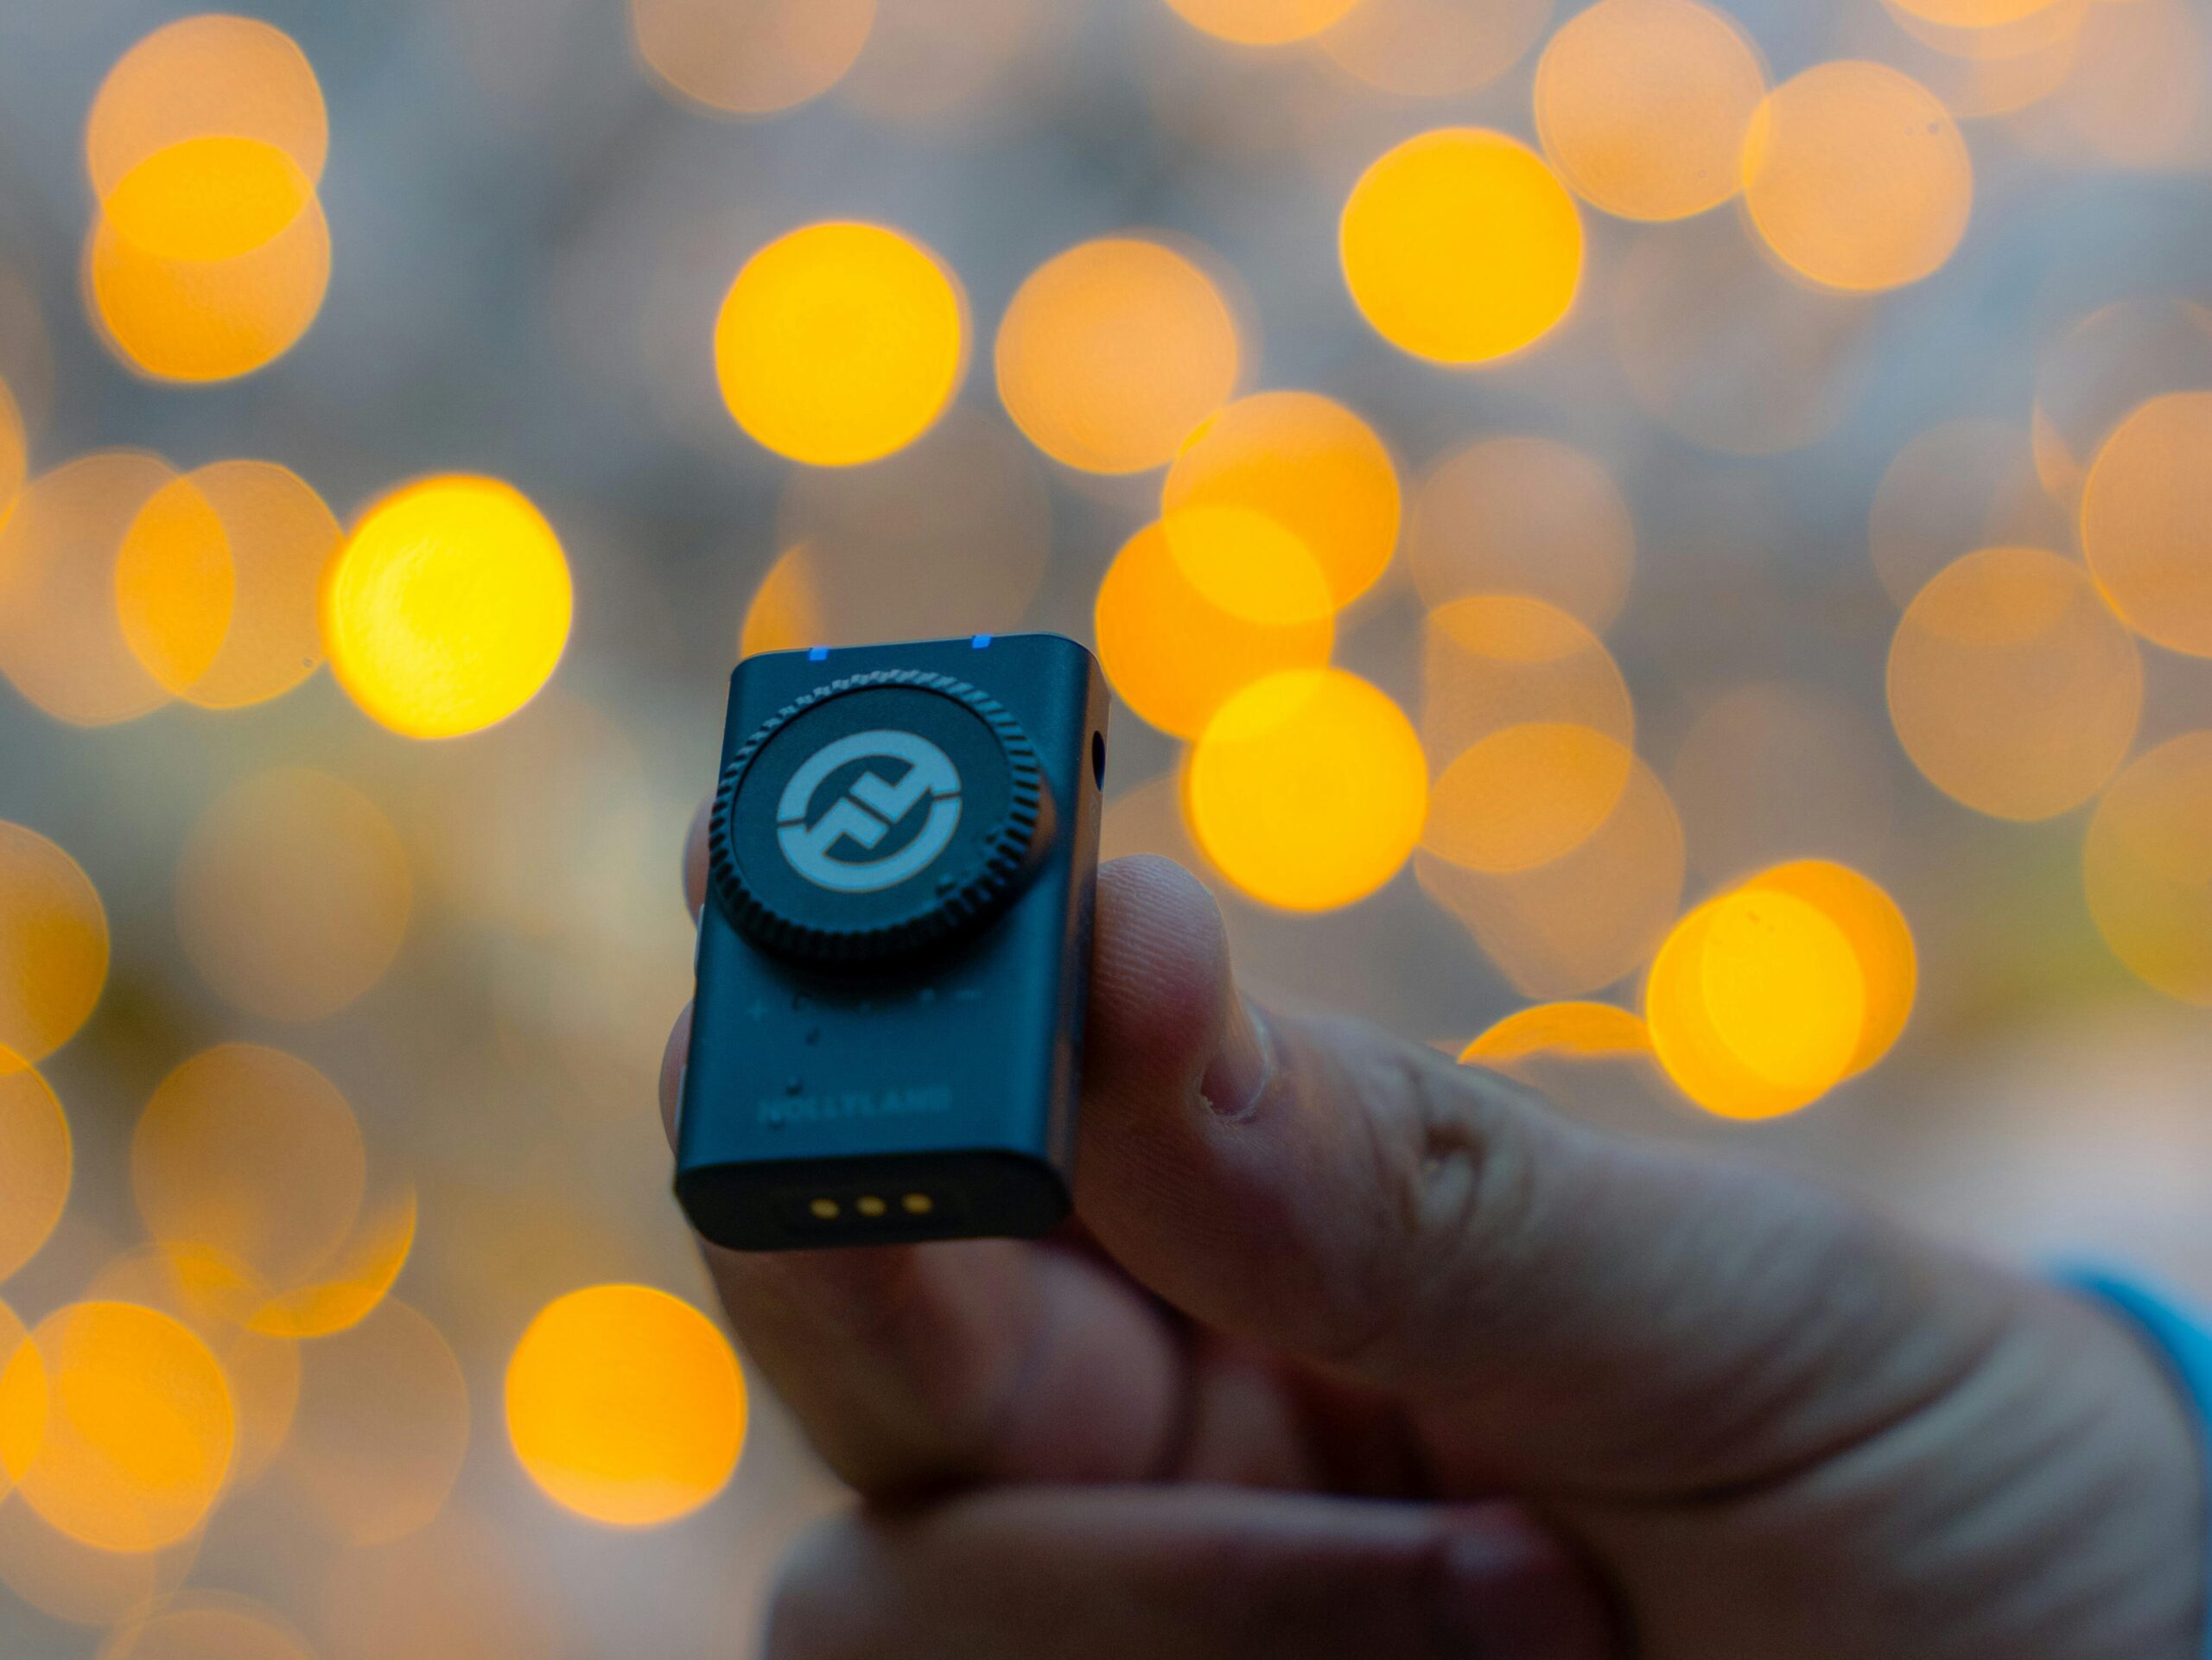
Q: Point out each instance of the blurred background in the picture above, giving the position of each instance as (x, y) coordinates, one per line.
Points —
(1663, 549)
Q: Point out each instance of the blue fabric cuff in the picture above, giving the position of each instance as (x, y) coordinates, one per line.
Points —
(2184, 1339)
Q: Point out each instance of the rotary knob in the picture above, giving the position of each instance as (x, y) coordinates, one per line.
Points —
(876, 817)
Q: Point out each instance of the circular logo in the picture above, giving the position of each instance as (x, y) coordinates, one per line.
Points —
(891, 806)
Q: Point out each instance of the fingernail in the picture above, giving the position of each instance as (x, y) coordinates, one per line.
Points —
(1504, 1588)
(1241, 1071)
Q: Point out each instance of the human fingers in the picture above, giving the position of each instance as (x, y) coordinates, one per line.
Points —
(1564, 1310)
(1185, 1574)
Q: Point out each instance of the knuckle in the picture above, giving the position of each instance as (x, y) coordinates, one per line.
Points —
(1458, 1184)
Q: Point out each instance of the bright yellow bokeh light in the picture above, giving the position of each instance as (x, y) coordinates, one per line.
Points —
(1305, 462)
(1856, 177)
(1578, 1031)
(1110, 353)
(212, 75)
(751, 57)
(202, 320)
(54, 946)
(62, 643)
(1184, 623)
(207, 199)
(36, 1158)
(1460, 245)
(1527, 516)
(1432, 49)
(254, 1155)
(1308, 789)
(293, 894)
(2147, 867)
(1261, 22)
(449, 607)
(626, 1405)
(1879, 937)
(207, 1291)
(1642, 105)
(1526, 795)
(2146, 521)
(839, 343)
(116, 1423)
(383, 1426)
(219, 579)
(2012, 685)
(1756, 1004)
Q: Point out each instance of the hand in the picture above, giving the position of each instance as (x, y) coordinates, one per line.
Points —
(1355, 1352)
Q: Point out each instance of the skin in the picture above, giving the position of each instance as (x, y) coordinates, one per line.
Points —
(1354, 1351)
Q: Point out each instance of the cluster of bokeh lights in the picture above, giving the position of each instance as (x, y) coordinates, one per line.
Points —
(1661, 206)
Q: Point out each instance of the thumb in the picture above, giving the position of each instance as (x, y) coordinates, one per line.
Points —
(1568, 1312)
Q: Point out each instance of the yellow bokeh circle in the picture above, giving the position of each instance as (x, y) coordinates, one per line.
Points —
(1856, 176)
(218, 580)
(1263, 22)
(2012, 685)
(1879, 935)
(1184, 622)
(38, 1157)
(2147, 867)
(117, 1424)
(839, 343)
(1308, 789)
(1460, 245)
(1756, 1004)
(626, 1405)
(1306, 462)
(2146, 521)
(449, 607)
(207, 199)
(1572, 1030)
(1642, 105)
(54, 946)
(1110, 353)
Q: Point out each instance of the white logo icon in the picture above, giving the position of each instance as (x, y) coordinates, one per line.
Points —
(868, 812)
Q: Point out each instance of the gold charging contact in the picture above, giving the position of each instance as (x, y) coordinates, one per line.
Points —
(871, 1207)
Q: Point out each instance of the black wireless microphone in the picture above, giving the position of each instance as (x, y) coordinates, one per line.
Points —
(895, 951)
